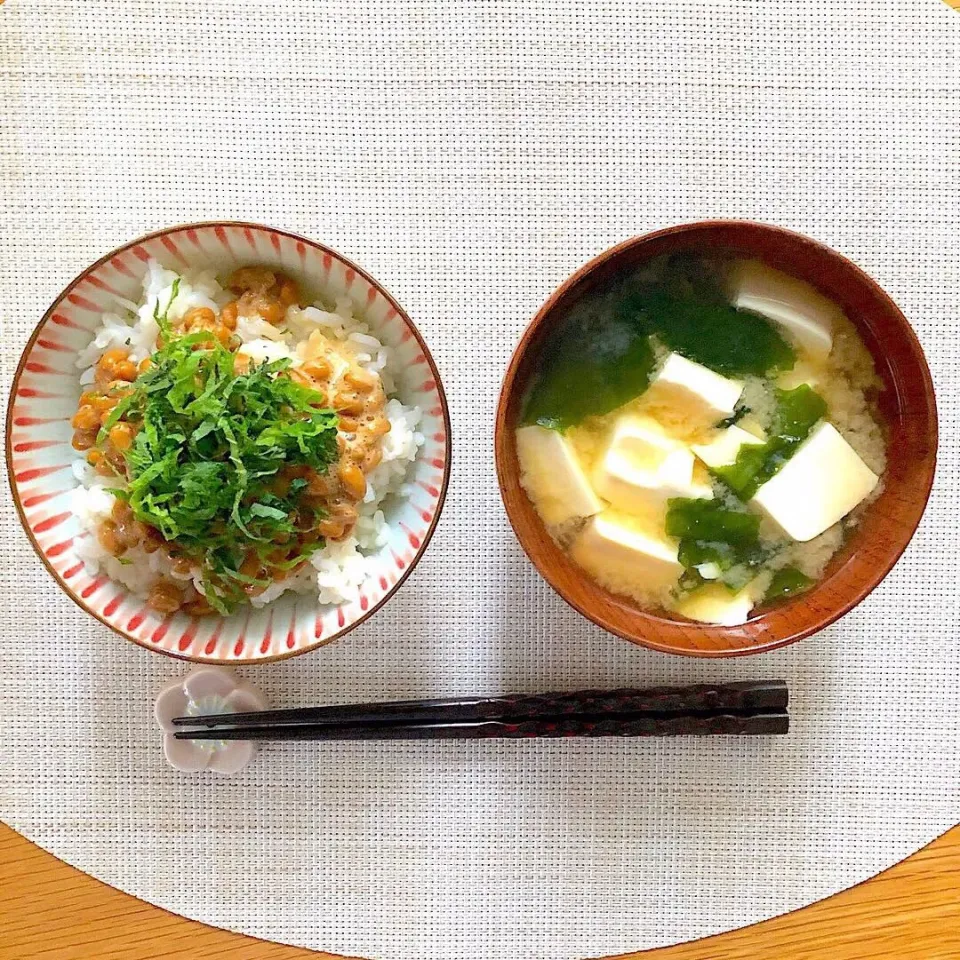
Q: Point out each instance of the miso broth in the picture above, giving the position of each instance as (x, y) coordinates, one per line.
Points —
(702, 434)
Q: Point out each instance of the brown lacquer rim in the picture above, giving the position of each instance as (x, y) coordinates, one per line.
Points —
(668, 633)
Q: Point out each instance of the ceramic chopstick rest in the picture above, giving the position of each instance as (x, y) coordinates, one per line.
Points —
(206, 690)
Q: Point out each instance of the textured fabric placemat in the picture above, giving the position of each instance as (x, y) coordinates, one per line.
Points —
(471, 155)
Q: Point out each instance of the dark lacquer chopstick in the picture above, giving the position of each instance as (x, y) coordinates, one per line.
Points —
(740, 697)
(651, 725)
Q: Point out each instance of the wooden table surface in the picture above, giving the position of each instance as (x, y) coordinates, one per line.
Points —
(50, 911)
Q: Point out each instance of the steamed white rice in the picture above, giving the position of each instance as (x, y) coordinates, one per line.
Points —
(338, 570)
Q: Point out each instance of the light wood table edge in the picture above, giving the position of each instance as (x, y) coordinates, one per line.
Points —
(52, 911)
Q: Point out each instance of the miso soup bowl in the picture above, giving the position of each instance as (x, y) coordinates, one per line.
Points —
(907, 406)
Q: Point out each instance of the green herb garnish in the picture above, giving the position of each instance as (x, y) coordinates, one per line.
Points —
(162, 318)
(798, 411)
(203, 466)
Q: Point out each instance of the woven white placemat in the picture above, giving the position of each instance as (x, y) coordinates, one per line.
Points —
(471, 155)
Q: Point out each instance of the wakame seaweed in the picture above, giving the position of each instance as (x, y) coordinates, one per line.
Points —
(798, 411)
(601, 356)
(710, 532)
(787, 583)
(594, 364)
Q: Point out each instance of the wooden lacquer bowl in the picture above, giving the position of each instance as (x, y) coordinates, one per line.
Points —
(906, 403)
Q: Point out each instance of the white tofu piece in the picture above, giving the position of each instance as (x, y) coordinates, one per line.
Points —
(642, 441)
(642, 466)
(805, 315)
(723, 448)
(709, 571)
(608, 545)
(751, 424)
(700, 486)
(553, 477)
(802, 373)
(692, 394)
(819, 485)
(714, 603)
(637, 490)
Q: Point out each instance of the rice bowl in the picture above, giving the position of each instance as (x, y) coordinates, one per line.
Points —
(337, 570)
(347, 576)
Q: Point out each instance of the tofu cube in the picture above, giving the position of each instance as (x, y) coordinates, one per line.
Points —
(818, 486)
(638, 491)
(613, 549)
(804, 314)
(553, 477)
(642, 467)
(690, 395)
(642, 441)
(751, 423)
(714, 603)
(802, 373)
(723, 448)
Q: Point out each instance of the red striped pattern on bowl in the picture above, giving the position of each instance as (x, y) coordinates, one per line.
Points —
(44, 397)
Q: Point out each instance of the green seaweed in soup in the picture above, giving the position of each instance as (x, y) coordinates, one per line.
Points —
(589, 377)
(798, 411)
(709, 531)
(602, 354)
(686, 308)
(787, 582)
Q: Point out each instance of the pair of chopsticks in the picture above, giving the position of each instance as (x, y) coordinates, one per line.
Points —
(750, 708)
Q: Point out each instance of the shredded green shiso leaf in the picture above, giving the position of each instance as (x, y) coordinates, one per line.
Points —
(203, 465)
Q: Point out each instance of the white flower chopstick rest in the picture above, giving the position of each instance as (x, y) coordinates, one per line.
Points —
(206, 690)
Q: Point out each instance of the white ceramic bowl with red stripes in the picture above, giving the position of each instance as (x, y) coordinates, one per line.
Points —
(39, 455)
